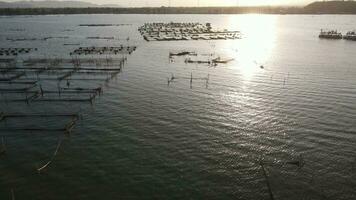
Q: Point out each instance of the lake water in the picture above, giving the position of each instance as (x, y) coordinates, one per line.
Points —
(143, 139)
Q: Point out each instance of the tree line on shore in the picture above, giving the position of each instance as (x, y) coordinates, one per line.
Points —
(327, 7)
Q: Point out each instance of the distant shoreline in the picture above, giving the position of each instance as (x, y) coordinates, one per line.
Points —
(321, 7)
(158, 10)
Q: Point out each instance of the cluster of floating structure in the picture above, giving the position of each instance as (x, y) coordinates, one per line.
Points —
(106, 38)
(334, 34)
(212, 61)
(15, 51)
(100, 38)
(173, 79)
(184, 31)
(68, 30)
(71, 44)
(182, 53)
(103, 25)
(70, 120)
(193, 57)
(52, 82)
(25, 83)
(351, 35)
(53, 90)
(104, 50)
(35, 39)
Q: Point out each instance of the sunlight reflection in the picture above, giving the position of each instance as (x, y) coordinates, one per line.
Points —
(254, 50)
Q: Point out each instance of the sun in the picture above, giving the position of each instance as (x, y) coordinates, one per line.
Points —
(249, 2)
(258, 40)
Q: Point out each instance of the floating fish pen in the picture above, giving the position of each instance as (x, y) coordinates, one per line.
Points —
(209, 59)
(15, 51)
(213, 61)
(182, 53)
(61, 79)
(76, 61)
(104, 50)
(101, 38)
(184, 31)
(174, 78)
(34, 88)
(56, 37)
(36, 39)
(21, 39)
(351, 35)
(7, 61)
(54, 83)
(29, 80)
(10, 123)
(103, 25)
(333, 34)
(71, 44)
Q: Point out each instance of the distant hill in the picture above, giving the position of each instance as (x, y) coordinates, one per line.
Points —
(331, 7)
(51, 4)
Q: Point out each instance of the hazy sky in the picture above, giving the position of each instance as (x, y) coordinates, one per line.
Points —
(197, 2)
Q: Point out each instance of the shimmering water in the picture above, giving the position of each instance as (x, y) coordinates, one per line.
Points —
(145, 140)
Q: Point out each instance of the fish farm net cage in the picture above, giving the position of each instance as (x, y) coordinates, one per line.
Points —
(44, 96)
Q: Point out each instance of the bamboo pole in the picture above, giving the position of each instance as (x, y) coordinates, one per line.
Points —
(38, 115)
(12, 194)
(267, 182)
(3, 146)
(39, 170)
(71, 124)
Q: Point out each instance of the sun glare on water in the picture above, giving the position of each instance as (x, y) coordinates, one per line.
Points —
(258, 40)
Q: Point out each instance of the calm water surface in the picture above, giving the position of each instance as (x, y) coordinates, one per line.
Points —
(144, 140)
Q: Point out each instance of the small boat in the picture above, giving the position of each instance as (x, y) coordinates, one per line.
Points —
(186, 38)
(168, 38)
(222, 61)
(204, 38)
(189, 60)
(178, 38)
(351, 35)
(214, 37)
(194, 37)
(221, 37)
(183, 53)
(333, 34)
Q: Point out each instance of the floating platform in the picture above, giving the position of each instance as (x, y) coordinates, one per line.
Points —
(351, 35)
(184, 31)
(15, 51)
(333, 34)
(104, 50)
(103, 25)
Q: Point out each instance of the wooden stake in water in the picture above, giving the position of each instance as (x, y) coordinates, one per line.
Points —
(267, 182)
(42, 90)
(3, 147)
(171, 79)
(12, 194)
(207, 81)
(191, 80)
